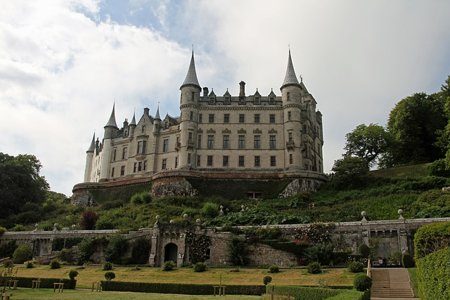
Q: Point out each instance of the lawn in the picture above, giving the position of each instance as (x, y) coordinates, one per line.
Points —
(22, 294)
(246, 276)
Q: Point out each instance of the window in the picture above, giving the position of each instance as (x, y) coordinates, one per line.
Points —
(165, 145)
(290, 136)
(200, 118)
(210, 141)
(145, 165)
(211, 118)
(273, 161)
(176, 162)
(122, 170)
(241, 118)
(209, 162)
(114, 154)
(141, 148)
(257, 161)
(271, 100)
(226, 118)
(227, 100)
(198, 160)
(288, 96)
(225, 161)
(164, 164)
(124, 152)
(241, 142)
(257, 100)
(189, 159)
(199, 141)
(272, 141)
(226, 142)
(289, 115)
(192, 96)
(257, 142)
(191, 116)
(257, 118)
(272, 118)
(142, 128)
(291, 159)
(134, 167)
(241, 161)
(190, 139)
(112, 172)
(139, 166)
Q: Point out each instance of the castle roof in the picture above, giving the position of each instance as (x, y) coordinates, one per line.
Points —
(92, 146)
(191, 76)
(290, 77)
(157, 117)
(133, 120)
(112, 118)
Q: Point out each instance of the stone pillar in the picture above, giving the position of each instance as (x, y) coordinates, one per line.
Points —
(403, 240)
(152, 260)
(181, 250)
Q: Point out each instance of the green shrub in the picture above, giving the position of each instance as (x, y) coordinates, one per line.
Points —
(267, 280)
(88, 220)
(8, 263)
(169, 266)
(87, 249)
(46, 283)
(321, 253)
(210, 210)
(351, 295)
(68, 256)
(73, 274)
(141, 198)
(116, 248)
(110, 275)
(7, 249)
(140, 251)
(364, 250)
(29, 265)
(238, 252)
(430, 238)
(299, 292)
(107, 266)
(200, 267)
(407, 260)
(439, 168)
(54, 264)
(274, 269)
(355, 267)
(362, 282)
(22, 254)
(314, 268)
(2, 230)
(433, 273)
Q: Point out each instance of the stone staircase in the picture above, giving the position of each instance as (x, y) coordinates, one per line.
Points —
(391, 284)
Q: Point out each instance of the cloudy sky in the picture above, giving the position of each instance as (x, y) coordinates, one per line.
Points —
(63, 63)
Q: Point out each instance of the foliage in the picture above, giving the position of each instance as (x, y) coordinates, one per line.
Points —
(68, 256)
(7, 249)
(430, 238)
(355, 267)
(321, 253)
(432, 204)
(55, 264)
(198, 245)
(110, 275)
(313, 293)
(46, 283)
(267, 280)
(433, 273)
(364, 250)
(274, 269)
(116, 248)
(200, 267)
(22, 254)
(59, 243)
(362, 282)
(141, 198)
(169, 266)
(140, 251)
(314, 268)
(407, 260)
(107, 266)
(238, 252)
(8, 263)
(439, 168)
(73, 274)
(29, 265)
(2, 230)
(210, 210)
(349, 171)
(86, 248)
(88, 220)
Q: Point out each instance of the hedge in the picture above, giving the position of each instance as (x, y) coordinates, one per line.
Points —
(433, 273)
(430, 238)
(47, 283)
(351, 295)
(315, 293)
(175, 288)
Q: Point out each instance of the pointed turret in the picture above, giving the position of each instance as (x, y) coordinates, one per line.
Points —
(191, 76)
(92, 146)
(290, 78)
(112, 118)
(133, 120)
(157, 117)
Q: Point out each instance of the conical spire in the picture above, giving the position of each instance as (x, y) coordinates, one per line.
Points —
(290, 77)
(92, 146)
(133, 120)
(191, 76)
(157, 117)
(112, 118)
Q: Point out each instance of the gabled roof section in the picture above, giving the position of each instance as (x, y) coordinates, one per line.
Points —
(212, 94)
(227, 93)
(272, 94)
(112, 118)
(257, 94)
(92, 146)
(191, 76)
(290, 77)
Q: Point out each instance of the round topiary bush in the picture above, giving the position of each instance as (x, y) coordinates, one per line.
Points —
(267, 280)
(22, 254)
(407, 260)
(169, 266)
(355, 267)
(274, 269)
(200, 267)
(29, 265)
(362, 282)
(107, 266)
(364, 250)
(54, 264)
(73, 274)
(110, 275)
(314, 268)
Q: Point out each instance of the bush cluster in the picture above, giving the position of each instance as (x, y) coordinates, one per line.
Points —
(7, 249)
(430, 238)
(110, 275)
(2, 230)
(141, 198)
(29, 265)
(169, 266)
(267, 280)
(200, 267)
(22, 254)
(274, 269)
(140, 251)
(364, 250)
(116, 248)
(314, 268)
(433, 273)
(362, 282)
(73, 274)
(107, 266)
(55, 264)
(355, 267)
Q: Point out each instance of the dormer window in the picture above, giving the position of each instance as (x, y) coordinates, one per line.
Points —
(271, 100)
(257, 100)
(212, 100)
(227, 100)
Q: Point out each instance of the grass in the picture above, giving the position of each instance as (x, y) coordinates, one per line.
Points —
(413, 279)
(413, 171)
(246, 276)
(22, 294)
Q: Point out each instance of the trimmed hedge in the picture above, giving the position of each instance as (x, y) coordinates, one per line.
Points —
(433, 273)
(351, 295)
(430, 238)
(46, 283)
(315, 293)
(175, 288)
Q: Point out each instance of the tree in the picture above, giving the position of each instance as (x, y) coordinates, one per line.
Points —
(88, 220)
(367, 142)
(349, 172)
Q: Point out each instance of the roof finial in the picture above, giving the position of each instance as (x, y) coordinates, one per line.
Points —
(290, 77)
(112, 118)
(191, 76)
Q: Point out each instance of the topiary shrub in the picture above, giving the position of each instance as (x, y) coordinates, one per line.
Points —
(267, 280)
(407, 260)
(169, 266)
(314, 268)
(364, 250)
(362, 282)
(355, 267)
(29, 265)
(110, 275)
(274, 269)
(22, 254)
(200, 267)
(116, 248)
(107, 266)
(54, 264)
(73, 274)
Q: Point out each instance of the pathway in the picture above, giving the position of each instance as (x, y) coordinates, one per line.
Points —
(392, 283)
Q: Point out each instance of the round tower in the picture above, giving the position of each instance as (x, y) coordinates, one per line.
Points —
(110, 131)
(190, 96)
(89, 158)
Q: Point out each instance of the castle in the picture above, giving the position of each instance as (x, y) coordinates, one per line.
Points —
(259, 145)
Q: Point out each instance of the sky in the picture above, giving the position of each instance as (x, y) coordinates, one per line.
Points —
(63, 63)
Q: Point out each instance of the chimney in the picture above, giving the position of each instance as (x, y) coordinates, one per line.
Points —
(205, 92)
(146, 111)
(242, 89)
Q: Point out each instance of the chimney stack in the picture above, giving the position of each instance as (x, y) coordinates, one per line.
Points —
(205, 92)
(242, 89)
(146, 111)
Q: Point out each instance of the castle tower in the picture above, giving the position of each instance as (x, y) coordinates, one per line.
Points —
(110, 131)
(89, 158)
(133, 124)
(190, 95)
(291, 97)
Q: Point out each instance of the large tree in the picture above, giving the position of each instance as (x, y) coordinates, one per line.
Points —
(20, 183)
(367, 142)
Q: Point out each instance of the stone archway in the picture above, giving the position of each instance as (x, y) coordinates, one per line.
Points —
(171, 252)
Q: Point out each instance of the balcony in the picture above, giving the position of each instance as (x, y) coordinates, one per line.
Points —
(290, 145)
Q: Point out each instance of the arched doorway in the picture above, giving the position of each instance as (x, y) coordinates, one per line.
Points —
(170, 252)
